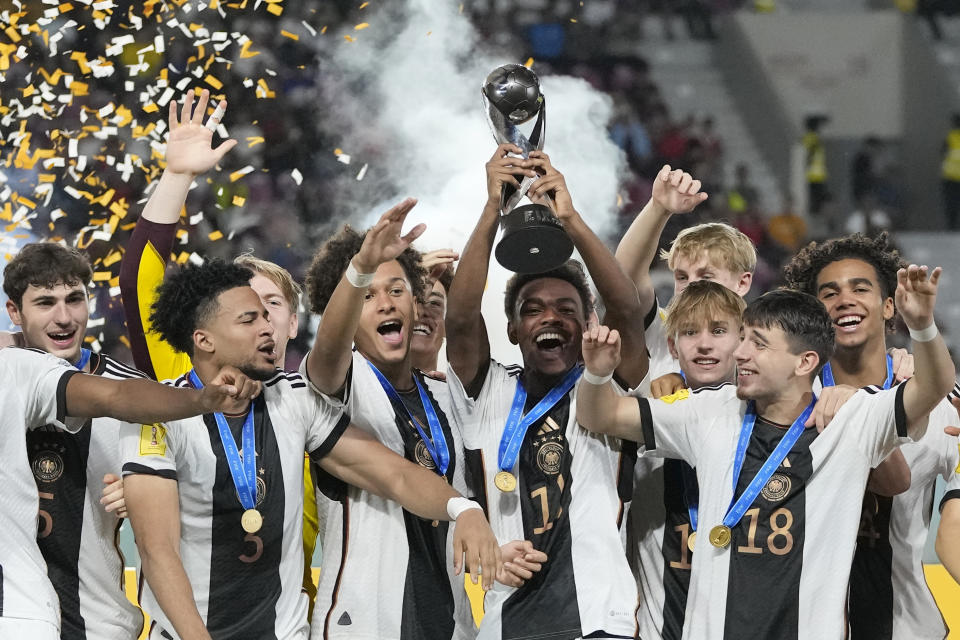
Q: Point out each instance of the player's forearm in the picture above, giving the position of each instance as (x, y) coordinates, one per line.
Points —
(131, 400)
(948, 538)
(329, 361)
(601, 410)
(422, 492)
(891, 477)
(934, 378)
(638, 247)
(163, 569)
(168, 198)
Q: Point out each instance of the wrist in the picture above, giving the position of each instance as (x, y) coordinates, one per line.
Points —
(593, 378)
(359, 276)
(926, 334)
(457, 505)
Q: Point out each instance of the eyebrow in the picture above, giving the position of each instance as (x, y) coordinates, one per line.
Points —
(853, 281)
(756, 333)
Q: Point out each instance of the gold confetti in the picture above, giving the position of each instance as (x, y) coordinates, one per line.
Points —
(349, 38)
(529, 63)
(364, 6)
(254, 140)
(213, 82)
(361, 26)
(286, 33)
(238, 201)
(213, 236)
(275, 9)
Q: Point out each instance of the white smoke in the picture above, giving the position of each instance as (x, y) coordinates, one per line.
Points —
(408, 104)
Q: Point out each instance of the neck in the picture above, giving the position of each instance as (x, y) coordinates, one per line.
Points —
(399, 374)
(786, 407)
(207, 370)
(424, 362)
(860, 366)
(539, 384)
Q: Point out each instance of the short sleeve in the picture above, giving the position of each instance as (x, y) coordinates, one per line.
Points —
(953, 490)
(672, 426)
(875, 420)
(655, 334)
(43, 378)
(326, 423)
(146, 449)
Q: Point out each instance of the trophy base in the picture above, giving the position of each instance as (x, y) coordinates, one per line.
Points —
(533, 240)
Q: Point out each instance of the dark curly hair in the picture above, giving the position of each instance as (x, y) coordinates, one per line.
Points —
(802, 272)
(188, 298)
(44, 265)
(331, 261)
(570, 271)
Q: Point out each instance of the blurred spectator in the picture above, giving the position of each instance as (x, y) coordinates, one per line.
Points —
(950, 174)
(788, 229)
(742, 196)
(865, 171)
(816, 164)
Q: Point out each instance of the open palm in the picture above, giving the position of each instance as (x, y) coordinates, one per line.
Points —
(677, 191)
(189, 144)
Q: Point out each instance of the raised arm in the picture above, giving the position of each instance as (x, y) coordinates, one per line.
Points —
(468, 348)
(360, 460)
(916, 298)
(674, 191)
(329, 360)
(153, 504)
(599, 408)
(189, 153)
(618, 292)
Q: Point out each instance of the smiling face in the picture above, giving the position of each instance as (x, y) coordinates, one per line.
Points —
(239, 334)
(705, 351)
(850, 291)
(282, 316)
(53, 319)
(388, 317)
(701, 267)
(766, 368)
(547, 324)
(429, 330)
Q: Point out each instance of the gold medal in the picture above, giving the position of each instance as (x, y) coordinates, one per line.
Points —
(251, 521)
(720, 536)
(691, 540)
(505, 481)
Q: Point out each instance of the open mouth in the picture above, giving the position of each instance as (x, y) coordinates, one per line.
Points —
(706, 362)
(550, 341)
(745, 373)
(421, 329)
(391, 331)
(848, 322)
(62, 338)
(269, 349)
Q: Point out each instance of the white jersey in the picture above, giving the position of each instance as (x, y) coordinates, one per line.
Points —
(387, 573)
(953, 488)
(77, 538)
(661, 360)
(786, 570)
(34, 395)
(566, 503)
(244, 584)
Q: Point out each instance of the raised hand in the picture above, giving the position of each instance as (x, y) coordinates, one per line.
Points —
(383, 242)
(189, 144)
(229, 385)
(916, 295)
(676, 191)
(553, 184)
(902, 363)
(437, 261)
(504, 169)
(601, 350)
(473, 538)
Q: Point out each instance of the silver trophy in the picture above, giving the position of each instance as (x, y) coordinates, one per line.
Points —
(533, 238)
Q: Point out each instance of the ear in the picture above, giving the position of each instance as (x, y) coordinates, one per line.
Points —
(888, 308)
(203, 341)
(744, 283)
(808, 362)
(512, 333)
(14, 312)
(671, 344)
(294, 324)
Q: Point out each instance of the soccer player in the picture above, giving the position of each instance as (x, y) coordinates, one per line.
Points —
(703, 331)
(855, 277)
(779, 502)
(554, 485)
(47, 298)
(948, 534)
(40, 391)
(219, 531)
(428, 333)
(365, 287)
(189, 154)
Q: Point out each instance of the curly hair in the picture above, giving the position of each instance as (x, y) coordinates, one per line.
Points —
(44, 265)
(331, 261)
(802, 272)
(188, 298)
(570, 271)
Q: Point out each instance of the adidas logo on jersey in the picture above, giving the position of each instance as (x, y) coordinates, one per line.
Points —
(345, 619)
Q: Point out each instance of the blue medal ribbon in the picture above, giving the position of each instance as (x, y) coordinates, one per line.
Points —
(242, 470)
(436, 444)
(517, 423)
(827, 375)
(737, 509)
(84, 359)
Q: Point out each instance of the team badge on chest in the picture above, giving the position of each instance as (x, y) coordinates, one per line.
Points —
(47, 466)
(777, 487)
(550, 457)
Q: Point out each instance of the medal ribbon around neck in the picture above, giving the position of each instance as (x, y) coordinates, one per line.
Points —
(517, 423)
(243, 471)
(827, 375)
(84, 359)
(737, 509)
(436, 444)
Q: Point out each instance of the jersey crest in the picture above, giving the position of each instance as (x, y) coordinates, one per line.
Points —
(153, 440)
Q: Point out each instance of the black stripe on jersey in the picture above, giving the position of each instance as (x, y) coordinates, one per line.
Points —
(654, 309)
(474, 472)
(245, 567)
(1, 590)
(900, 414)
(345, 536)
(870, 602)
(625, 465)
(955, 392)
(953, 494)
(715, 387)
(295, 379)
(317, 454)
(58, 460)
(133, 467)
(646, 424)
(62, 411)
(677, 557)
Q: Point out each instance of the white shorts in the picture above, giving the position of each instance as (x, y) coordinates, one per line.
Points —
(32, 629)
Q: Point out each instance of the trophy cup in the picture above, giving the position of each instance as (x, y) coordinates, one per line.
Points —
(533, 239)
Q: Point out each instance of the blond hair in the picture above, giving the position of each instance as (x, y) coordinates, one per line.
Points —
(275, 273)
(701, 303)
(724, 245)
